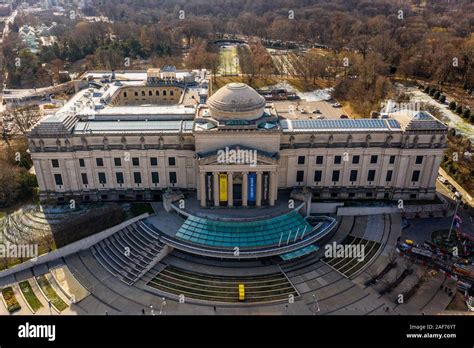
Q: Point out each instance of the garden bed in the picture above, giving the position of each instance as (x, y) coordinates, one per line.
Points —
(51, 294)
(30, 296)
(10, 301)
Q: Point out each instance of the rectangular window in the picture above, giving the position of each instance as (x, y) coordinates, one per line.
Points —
(353, 176)
(155, 177)
(171, 92)
(172, 161)
(137, 177)
(85, 181)
(99, 162)
(319, 159)
(371, 175)
(392, 159)
(153, 161)
(318, 175)
(415, 176)
(335, 175)
(419, 160)
(118, 161)
(55, 163)
(301, 159)
(374, 159)
(135, 161)
(173, 179)
(164, 92)
(337, 159)
(102, 178)
(119, 177)
(58, 179)
(389, 175)
(299, 176)
(355, 159)
(82, 164)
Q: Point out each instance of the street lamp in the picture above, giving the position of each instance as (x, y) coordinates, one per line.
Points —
(454, 217)
(163, 304)
(316, 308)
(151, 310)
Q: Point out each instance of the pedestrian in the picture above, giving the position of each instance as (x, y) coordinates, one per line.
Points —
(215, 309)
(143, 311)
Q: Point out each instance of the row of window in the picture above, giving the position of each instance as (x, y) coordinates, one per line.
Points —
(118, 162)
(150, 93)
(119, 178)
(355, 159)
(318, 174)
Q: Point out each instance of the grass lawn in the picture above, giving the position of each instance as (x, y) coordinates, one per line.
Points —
(228, 64)
(10, 300)
(30, 296)
(51, 294)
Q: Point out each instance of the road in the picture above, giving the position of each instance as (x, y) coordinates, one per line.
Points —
(450, 118)
(8, 22)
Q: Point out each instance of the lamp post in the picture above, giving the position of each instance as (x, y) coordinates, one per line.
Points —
(454, 216)
(163, 304)
(316, 308)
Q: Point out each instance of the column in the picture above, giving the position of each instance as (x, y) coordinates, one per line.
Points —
(202, 188)
(259, 190)
(245, 189)
(272, 192)
(230, 190)
(216, 188)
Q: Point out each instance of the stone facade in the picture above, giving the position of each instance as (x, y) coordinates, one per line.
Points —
(136, 159)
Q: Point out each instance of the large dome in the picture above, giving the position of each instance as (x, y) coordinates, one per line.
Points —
(236, 101)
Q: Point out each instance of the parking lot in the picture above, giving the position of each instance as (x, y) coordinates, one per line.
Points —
(304, 110)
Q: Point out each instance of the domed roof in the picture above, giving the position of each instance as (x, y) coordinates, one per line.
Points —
(236, 101)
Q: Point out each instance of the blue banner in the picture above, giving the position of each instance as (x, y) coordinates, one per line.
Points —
(252, 187)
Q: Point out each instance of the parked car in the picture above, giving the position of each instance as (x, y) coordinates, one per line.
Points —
(336, 105)
(320, 117)
(442, 179)
(343, 116)
(303, 111)
(316, 111)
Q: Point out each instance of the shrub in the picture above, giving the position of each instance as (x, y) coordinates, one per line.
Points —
(427, 89)
(466, 114)
(437, 94)
(432, 91)
(471, 118)
(452, 105)
(459, 109)
(442, 98)
(87, 224)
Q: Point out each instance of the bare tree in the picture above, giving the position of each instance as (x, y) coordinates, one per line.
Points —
(23, 118)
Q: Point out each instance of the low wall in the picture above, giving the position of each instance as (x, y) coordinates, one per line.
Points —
(355, 211)
(72, 248)
(325, 208)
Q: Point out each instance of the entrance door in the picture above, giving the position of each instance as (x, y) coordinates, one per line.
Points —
(237, 193)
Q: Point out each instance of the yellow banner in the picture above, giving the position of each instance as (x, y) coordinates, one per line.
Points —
(223, 187)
